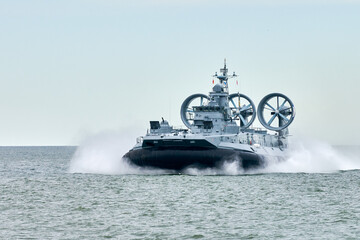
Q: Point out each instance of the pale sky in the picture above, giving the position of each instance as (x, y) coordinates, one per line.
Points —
(69, 69)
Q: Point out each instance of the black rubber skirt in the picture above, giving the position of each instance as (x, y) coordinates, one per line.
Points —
(179, 158)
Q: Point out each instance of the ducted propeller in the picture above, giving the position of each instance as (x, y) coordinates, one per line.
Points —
(187, 112)
(276, 111)
(242, 107)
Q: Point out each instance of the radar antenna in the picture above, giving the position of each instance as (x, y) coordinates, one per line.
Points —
(224, 77)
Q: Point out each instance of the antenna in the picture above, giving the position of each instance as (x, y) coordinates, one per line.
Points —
(224, 70)
(224, 77)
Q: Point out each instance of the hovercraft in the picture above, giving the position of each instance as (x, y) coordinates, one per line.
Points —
(218, 129)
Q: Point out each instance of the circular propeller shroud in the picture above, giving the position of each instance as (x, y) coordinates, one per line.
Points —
(186, 111)
(276, 109)
(241, 112)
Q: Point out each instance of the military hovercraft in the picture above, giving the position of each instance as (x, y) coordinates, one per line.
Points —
(218, 129)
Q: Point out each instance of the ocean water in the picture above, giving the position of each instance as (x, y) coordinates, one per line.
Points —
(89, 193)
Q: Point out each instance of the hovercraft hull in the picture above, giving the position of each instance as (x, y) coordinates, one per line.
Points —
(181, 158)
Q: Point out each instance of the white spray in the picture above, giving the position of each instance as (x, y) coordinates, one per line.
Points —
(311, 156)
(230, 167)
(102, 154)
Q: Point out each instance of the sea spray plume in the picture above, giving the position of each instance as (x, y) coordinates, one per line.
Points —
(311, 156)
(102, 154)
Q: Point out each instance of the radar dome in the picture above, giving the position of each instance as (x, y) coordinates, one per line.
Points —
(217, 88)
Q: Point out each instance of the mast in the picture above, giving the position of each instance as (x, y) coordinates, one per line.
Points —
(224, 77)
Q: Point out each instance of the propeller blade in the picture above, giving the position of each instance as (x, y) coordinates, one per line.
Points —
(282, 105)
(245, 108)
(243, 119)
(271, 119)
(283, 117)
(232, 101)
(270, 106)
